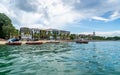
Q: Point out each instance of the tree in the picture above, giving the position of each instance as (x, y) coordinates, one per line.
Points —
(55, 34)
(73, 36)
(4, 21)
(49, 34)
(6, 28)
(68, 36)
(36, 36)
(98, 38)
(113, 38)
(61, 36)
(43, 34)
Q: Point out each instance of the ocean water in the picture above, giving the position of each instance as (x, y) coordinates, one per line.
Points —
(95, 58)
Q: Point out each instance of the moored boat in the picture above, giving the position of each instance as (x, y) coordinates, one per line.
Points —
(53, 42)
(82, 41)
(34, 43)
(13, 43)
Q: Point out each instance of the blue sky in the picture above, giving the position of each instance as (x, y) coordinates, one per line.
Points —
(94, 25)
(77, 16)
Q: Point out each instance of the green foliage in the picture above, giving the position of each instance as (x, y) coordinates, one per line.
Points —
(7, 30)
(106, 38)
(113, 38)
(55, 34)
(49, 34)
(43, 34)
(73, 36)
(36, 35)
(4, 20)
(98, 38)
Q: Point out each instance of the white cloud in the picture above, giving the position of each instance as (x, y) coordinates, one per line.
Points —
(110, 33)
(106, 34)
(57, 13)
(100, 18)
(115, 15)
(112, 17)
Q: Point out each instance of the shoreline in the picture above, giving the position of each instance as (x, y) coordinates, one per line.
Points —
(102, 40)
(61, 41)
(3, 42)
(43, 41)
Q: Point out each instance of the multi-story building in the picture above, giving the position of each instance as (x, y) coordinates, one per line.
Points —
(86, 36)
(65, 34)
(34, 33)
(53, 33)
(57, 34)
(25, 33)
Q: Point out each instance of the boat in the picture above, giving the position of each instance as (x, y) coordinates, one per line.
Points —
(34, 43)
(82, 41)
(13, 43)
(53, 41)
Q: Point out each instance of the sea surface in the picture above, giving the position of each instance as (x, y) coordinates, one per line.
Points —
(95, 58)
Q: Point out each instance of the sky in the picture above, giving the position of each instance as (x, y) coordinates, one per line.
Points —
(77, 16)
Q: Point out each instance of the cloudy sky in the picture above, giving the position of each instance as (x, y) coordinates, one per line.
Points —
(77, 16)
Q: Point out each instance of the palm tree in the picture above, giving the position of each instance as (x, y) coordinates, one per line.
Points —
(36, 36)
(61, 36)
(49, 34)
(43, 34)
(55, 35)
(67, 36)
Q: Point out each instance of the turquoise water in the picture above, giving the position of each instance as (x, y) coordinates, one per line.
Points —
(95, 58)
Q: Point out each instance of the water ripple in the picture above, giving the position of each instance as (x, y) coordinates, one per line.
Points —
(95, 58)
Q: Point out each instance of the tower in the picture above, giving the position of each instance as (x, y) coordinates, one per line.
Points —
(93, 33)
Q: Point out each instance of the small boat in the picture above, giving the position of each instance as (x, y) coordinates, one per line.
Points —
(13, 43)
(53, 42)
(82, 41)
(34, 43)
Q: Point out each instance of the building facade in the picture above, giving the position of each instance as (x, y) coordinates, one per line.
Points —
(58, 34)
(50, 34)
(25, 33)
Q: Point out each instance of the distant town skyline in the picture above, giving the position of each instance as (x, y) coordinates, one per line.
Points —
(76, 16)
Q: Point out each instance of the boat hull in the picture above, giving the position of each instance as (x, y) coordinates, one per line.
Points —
(14, 43)
(82, 42)
(53, 42)
(34, 43)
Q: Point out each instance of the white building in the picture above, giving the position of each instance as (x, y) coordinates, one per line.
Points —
(28, 33)
(25, 33)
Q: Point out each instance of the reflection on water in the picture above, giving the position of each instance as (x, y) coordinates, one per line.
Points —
(95, 58)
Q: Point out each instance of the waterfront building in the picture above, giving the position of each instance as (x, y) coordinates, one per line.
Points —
(25, 33)
(65, 34)
(35, 33)
(51, 34)
(58, 34)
